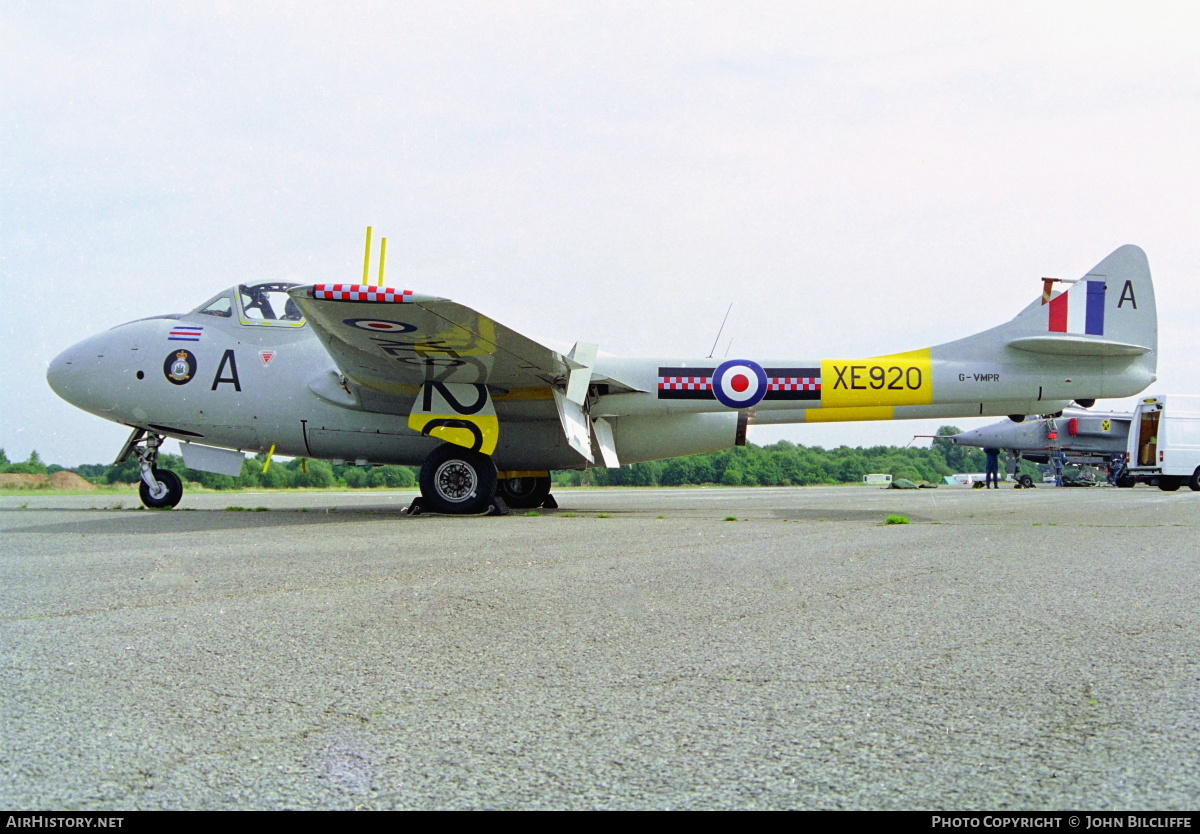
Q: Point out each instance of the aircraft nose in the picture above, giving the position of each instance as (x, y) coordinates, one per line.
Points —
(967, 438)
(76, 376)
(59, 374)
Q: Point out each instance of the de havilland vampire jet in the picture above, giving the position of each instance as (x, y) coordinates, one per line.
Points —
(374, 375)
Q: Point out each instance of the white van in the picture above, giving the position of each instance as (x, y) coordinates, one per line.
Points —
(1164, 443)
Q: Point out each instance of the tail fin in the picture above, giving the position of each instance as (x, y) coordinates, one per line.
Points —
(1098, 339)
(1108, 312)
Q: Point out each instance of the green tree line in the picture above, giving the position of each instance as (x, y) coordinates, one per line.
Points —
(780, 464)
(789, 464)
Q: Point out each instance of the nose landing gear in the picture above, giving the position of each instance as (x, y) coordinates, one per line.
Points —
(160, 488)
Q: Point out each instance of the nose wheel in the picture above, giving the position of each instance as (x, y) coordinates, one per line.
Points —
(169, 490)
(160, 488)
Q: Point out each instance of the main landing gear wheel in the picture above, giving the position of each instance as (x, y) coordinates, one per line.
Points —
(171, 488)
(524, 493)
(458, 481)
(1025, 482)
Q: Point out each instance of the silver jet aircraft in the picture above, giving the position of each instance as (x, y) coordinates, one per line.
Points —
(1093, 436)
(374, 375)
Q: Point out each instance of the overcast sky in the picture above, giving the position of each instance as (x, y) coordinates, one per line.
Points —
(856, 178)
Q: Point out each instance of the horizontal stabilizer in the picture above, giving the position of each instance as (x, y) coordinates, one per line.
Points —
(1067, 345)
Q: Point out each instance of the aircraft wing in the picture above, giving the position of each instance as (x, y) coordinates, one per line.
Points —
(393, 340)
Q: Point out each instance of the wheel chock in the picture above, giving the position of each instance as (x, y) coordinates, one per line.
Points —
(495, 507)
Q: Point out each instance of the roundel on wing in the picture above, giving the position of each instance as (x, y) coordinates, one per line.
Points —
(381, 325)
(739, 383)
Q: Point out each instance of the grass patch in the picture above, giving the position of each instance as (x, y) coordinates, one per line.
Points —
(603, 515)
(532, 514)
(731, 518)
(897, 519)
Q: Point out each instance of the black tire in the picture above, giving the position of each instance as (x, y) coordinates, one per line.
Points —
(524, 493)
(1126, 481)
(1025, 482)
(1017, 418)
(1167, 484)
(457, 481)
(174, 490)
(1194, 481)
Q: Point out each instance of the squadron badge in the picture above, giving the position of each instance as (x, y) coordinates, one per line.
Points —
(179, 367)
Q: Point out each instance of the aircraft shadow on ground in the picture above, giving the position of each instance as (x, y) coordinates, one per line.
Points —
(173, 522)
(150, 522)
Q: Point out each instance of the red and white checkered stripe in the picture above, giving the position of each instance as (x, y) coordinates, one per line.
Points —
(794, 383)
(684, 383)
(360, 292)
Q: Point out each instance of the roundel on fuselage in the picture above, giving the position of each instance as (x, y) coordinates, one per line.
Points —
(739, 383)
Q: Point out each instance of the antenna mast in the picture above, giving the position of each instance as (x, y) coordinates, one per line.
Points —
(722, 327)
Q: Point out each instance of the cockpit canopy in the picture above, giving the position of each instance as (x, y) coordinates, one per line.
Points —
(263, 303)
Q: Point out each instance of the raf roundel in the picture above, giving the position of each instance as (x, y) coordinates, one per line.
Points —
(381, 325)
(739, 383)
